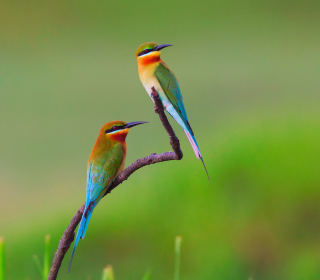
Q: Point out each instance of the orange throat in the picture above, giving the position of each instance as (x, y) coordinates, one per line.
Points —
(149, 59)
(119, 136)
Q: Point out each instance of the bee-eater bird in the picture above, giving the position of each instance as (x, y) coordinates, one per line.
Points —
(106, 161)
(153, 72)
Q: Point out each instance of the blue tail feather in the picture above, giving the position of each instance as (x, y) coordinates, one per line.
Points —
(184, 123)
(196, 149)
(81, 230)
(87, 219)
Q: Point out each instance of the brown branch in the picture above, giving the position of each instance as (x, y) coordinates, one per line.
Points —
(174, 141)
(69, 234)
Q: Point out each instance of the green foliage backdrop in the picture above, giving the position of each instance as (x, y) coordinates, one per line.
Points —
(249, 73)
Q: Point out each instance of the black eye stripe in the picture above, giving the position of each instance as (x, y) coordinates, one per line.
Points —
(145, 51)
(114, 128)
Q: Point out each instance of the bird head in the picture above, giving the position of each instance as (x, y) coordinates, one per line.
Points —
(150, 50)
(117, 130)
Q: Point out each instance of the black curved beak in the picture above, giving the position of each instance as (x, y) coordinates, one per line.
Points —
(132, 124)
(160, 47)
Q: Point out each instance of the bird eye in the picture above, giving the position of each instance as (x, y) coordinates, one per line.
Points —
(114, 128)
(145, 51)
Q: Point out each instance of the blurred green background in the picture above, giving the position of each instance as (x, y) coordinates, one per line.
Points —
(249, 73)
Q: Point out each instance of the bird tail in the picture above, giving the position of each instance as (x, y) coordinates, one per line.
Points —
(196, 149)
(81, 230)
(86, 221)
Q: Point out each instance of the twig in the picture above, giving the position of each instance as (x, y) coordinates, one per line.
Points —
(68, 236)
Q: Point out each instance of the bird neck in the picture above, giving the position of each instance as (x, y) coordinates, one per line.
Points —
(100, 148)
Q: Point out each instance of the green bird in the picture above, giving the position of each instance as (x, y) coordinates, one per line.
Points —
(153, 72)
(106, 161)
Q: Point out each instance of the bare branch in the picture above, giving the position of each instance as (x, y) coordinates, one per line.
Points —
(174, 141)
(69, 234)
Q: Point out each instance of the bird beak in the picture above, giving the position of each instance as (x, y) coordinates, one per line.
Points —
(160, 47)
(128, 125)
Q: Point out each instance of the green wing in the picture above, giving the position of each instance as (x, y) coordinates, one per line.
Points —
(171, 88)
(102, 172)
